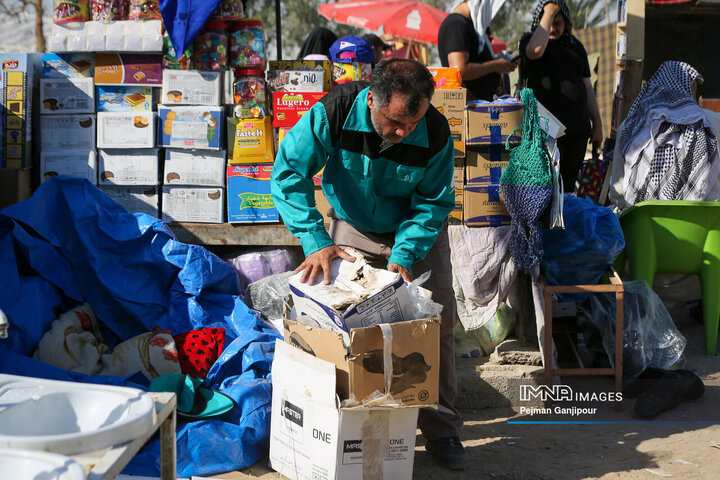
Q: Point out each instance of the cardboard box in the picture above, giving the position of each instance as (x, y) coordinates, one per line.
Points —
(456, 216)
(193, 204)
(128, 69)
(483, 207)
(135, 199)
(253, 141)
(248, 194)
(191, 87)
(75, 163)
(312, 438)
(67, 132)
(289, 107)
(190, 127)
(67, 95)
(359, 360)
(16, 81)
(128, 167)
(386, 300)
(484, 164)
(295, 81)
(119, 98)
(68, 65)
(15, 185)
(126, 130)
(492, 123)
(451, 103)
(194, 167)
(322, 204)
(322, 66)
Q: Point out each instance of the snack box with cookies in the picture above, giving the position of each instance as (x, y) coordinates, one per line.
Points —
(322, 66)
(67, 132)
(191, 87)
(190, 127)
(16, 87)
(121, 98)
(193, 204)
(295, 81)
(68, 65)
(194, 167)
(253, 141)
(248, 194)
(126, 130)
(135, 199)
(74, 163)
(128, 69)
(288, 107)
(128, 167)
(67, 95)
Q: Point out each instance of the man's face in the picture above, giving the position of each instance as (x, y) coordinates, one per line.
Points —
(558, 26)
(392, 121)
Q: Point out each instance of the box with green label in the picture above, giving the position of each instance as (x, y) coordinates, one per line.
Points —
(248, 194)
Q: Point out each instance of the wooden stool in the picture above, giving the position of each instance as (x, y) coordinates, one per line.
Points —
(616, 286)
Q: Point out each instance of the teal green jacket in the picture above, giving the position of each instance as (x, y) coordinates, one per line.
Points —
(406, 188)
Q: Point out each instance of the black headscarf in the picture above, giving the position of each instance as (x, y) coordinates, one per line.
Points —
(318, 42)
(567, 36)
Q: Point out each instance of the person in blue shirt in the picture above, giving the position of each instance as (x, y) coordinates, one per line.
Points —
(387, 156)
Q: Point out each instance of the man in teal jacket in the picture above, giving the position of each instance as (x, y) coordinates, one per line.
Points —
(388, 159)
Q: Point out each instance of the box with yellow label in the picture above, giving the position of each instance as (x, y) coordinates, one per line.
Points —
(248, 194)
(253, 141)
(451, 103)
(485, 163)
(16, 83)
(483, 206)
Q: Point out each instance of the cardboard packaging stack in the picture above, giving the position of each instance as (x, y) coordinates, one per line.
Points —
(489, 125)
(352, 354)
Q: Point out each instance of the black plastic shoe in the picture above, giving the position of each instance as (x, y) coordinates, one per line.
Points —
(448, 453)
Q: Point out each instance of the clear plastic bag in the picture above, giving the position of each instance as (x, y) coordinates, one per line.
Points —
(267, 295)
(423, 306)
(650, 338)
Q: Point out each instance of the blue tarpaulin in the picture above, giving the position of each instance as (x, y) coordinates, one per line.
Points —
(183, 20)
(70, 243)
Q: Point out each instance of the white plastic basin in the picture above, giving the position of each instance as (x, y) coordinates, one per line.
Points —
(68, 417)
(34, 465)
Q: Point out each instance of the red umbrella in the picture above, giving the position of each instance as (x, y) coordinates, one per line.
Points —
(402, 18)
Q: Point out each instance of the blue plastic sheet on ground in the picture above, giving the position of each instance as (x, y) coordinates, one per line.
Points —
(70, 243)
(582, 252)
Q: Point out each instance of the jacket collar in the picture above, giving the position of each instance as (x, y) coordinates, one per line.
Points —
(359, 120)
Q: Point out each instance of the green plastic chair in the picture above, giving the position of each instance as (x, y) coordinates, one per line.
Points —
(674, 236)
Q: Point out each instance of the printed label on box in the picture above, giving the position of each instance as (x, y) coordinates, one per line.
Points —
(190, 87)
(128, 69)
(120, 98)
(67, 95)
(289, 107)
(249, 198)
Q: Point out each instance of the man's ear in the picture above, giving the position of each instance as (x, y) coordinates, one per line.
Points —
(370, 99)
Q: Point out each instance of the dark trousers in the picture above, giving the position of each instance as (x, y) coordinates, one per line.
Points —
(377, 248)
(572, 153)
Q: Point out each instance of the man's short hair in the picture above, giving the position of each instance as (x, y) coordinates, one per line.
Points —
(400, 75)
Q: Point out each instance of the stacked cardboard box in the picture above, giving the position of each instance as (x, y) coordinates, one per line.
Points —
(489, 126)
(16, 84)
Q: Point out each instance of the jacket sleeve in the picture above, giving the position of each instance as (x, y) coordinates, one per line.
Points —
(431, 203)
(302, 154)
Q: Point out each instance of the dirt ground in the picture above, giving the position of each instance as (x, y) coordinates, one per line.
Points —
(682, 443)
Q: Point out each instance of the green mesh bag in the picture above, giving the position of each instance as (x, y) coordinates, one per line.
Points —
(526, 186)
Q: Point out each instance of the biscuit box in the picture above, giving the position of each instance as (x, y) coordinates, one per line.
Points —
(294, 81)
(194, 167)
(67, 95)
(451, 103)
(311, 433)
(119, 98)
(289, 107)
(128, 69)
(191, 87)
(125, 130)
(321, 66)
(75, 163)
(493, 123)
(68, 65)
(135, 199)
(16, 84)
(485, 163)
(483, 207)
(128, 167)
(253, 141)
(193, 204)
(67, 132)
(190, 127)
(248, 194)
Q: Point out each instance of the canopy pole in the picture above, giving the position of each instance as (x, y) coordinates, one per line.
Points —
(278, 30)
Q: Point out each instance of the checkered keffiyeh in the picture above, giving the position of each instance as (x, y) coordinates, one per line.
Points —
(567, 36)
(670, 153)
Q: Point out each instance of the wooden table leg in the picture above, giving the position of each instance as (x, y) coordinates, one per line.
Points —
(168, 447)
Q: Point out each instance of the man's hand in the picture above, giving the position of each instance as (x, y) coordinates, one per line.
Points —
(551, 9)
(319, 261)
(596, 137)
(406, 274)
(501, 65)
